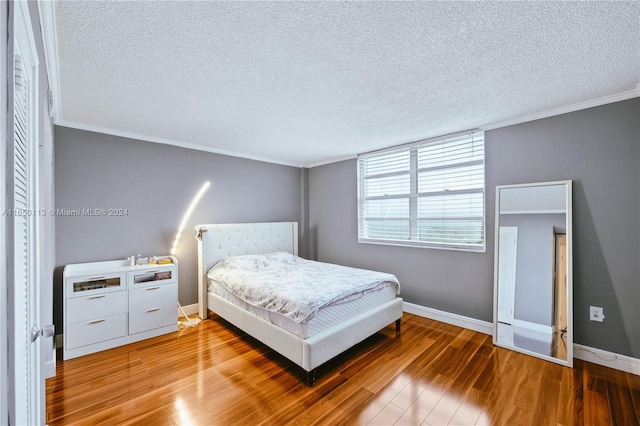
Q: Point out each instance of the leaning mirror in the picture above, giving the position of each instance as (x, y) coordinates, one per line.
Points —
(533, 270)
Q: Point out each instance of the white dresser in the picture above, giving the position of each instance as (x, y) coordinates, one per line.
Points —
(108, 304)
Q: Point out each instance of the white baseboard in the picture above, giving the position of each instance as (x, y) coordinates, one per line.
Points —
(449, 318)
(585, 353)
(189, 310)
(607, 359)
(546, 329)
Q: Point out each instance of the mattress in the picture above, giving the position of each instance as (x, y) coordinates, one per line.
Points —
(325, 318)
(301, 296)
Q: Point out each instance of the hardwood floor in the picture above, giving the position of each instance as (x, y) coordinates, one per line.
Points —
(428, 373)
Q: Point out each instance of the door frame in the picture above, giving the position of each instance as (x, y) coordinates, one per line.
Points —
(25, 403)
(4, 99)
(560, 319)
(507, 275)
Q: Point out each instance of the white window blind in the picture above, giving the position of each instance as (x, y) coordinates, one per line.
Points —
(429, 194)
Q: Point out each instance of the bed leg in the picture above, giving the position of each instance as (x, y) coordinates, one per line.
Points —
(311, 377)
(398, 322)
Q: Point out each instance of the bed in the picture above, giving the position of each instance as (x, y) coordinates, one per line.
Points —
(308, 344)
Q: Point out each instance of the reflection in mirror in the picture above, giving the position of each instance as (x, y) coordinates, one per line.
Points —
(533, 284)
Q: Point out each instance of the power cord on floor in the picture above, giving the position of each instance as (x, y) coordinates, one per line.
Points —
(187, 322)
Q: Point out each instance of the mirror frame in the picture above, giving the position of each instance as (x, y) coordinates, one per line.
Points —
(569, 236)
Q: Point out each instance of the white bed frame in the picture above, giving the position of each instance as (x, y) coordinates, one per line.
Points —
(217, 241)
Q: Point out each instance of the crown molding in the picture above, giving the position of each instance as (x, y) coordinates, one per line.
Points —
(330, 161)
(172, 142)
(609, 99)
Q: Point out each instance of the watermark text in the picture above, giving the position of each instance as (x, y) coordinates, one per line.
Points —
(66, 212)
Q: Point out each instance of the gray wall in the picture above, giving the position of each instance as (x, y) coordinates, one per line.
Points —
(598, 148)
(156, 184)
(534, 272)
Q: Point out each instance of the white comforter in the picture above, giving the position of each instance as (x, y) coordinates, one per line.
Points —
(293, 286)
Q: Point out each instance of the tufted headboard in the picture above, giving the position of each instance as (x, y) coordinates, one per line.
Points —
(217, 241)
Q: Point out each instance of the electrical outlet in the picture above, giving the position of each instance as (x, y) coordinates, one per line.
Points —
(596, 313)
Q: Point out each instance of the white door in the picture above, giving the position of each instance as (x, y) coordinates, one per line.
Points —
(26, 399)
(507, 255)
(561, 289)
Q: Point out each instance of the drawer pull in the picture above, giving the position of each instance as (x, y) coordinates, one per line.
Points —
(100, 296)
(97, 278)
(153, 309)
(152, 272)
(97, 321)
(152, 288)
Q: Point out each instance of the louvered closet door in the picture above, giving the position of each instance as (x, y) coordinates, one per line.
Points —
(25, 357)
(26, 393)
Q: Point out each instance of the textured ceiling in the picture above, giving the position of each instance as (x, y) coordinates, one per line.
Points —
(304, 83)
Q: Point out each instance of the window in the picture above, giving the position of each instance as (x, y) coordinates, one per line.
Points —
(428, 194)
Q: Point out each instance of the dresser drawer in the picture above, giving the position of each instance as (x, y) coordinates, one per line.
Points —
(93, 331)
(95, 284)
(151, 318)
(153, 296)
(96, 306)
(162, 274)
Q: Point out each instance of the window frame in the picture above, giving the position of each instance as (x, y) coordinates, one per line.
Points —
(474, 137)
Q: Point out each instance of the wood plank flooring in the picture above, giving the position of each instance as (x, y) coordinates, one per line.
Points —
(430, 373)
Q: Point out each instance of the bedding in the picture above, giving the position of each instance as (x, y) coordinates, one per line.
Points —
(326, 317)
(293, 287)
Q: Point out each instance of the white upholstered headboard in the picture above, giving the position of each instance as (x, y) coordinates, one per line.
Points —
(217, 241)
